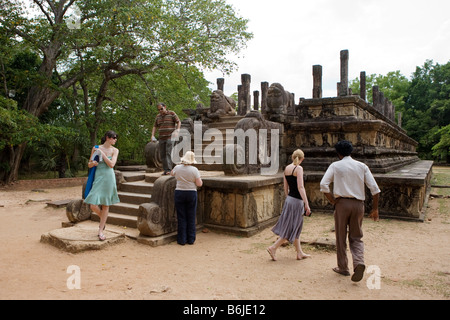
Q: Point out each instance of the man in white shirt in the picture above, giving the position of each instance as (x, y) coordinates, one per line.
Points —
(349, 178)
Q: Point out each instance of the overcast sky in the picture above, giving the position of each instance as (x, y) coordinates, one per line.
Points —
(290, 36)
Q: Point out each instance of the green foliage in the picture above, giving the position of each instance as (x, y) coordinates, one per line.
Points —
(424, 102)
(108, 69)
(16, 126)
(441, 150)
(394, 85)
(427, 106)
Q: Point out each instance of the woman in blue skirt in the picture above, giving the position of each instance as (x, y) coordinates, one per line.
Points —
(104, 190)
(290, 223)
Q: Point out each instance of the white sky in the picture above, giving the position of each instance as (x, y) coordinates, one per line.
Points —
(290, 36)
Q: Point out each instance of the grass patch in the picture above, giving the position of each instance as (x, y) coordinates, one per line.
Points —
(441, 176)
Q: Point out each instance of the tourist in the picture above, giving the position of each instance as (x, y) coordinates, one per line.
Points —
(167, 123)
(104, 190)
(349, 178)
(290, 223)
(188, 179)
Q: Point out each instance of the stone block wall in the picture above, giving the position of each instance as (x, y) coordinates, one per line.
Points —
(320, 123)
(241, 205)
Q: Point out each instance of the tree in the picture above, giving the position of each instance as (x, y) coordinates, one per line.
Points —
(394, 85)
(427, 106)
(441, 150)
(115, 39)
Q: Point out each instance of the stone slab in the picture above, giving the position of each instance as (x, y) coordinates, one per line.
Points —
(78, 239)
(161, 240)
(58, 203)
(326, 243)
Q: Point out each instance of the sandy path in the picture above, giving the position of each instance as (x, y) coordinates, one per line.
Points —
(413, 258)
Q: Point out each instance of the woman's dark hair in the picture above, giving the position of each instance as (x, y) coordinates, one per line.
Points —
(344, 148)
(109, 134)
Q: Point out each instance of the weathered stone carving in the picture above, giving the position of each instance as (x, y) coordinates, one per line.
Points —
(77, 211)
(221, 105)
(152, 156)
(279, 102)
(252, 121)
(159, 217)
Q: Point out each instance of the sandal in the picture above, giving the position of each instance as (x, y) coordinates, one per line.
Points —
(359, 273)
(344, 273)
(101, 237)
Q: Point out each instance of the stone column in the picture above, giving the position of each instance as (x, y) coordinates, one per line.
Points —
(264, 90)
(376, 98)
(240, 100)
(317, 82)
(382, 105)
(362, 85)
(393, 112)
(256, 100)
(220, 82)
(343, 87)
(245, 79)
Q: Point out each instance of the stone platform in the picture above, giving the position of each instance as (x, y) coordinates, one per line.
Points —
(404, 192)
(81, 237)
(243, 206)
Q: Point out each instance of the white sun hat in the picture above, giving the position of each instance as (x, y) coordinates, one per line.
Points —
(189, 158)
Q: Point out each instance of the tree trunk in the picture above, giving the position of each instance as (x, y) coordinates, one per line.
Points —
(13, 156)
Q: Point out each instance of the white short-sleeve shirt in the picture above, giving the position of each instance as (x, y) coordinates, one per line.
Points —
(349, 177)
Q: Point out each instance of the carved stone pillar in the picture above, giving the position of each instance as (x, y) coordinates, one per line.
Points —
(343, 87)
(246, 97)
(317, 82)
(264, 90)
(362, 85)
(256, 100)
(220, 83)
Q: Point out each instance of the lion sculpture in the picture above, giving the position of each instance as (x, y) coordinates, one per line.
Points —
(279, 101)
(221, 105)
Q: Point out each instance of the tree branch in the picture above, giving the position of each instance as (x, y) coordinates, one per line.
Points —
(39, 4)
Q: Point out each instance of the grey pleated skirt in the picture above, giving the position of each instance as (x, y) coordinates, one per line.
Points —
(290, 223)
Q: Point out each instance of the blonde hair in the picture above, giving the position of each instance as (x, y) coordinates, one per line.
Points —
(297, 156)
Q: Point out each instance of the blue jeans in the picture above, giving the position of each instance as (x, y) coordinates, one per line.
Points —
(186, 206)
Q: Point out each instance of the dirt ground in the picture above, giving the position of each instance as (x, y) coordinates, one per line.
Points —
(408, 260)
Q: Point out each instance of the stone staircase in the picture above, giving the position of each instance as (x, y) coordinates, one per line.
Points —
(224, 123)
(136, 190)
(139, 185)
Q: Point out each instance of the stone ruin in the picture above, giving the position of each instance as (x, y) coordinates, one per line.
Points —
(313, 125)
(239, 198)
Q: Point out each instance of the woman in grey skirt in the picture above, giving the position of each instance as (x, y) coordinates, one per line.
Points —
(290, 223)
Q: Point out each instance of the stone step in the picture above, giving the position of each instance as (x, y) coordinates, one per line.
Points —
(137, 187)
(127, 209)
(209, 167)
(133, 168)
(152, 177)
(133, 176)
(118, 220)
(134, 198)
